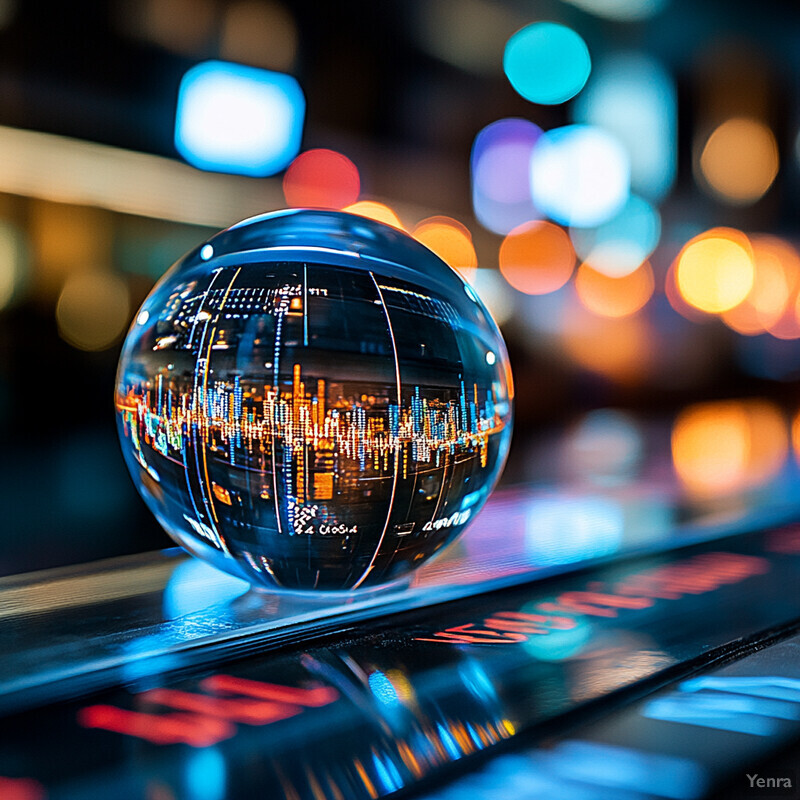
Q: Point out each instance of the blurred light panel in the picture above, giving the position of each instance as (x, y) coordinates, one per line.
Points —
(13, 262)
(614, 297)
(547, 63)
(321, 179)
(739, 161)
(377, 211)
(580, 175)
(724, 447)
(232, 118)
(715, 270)
(619, 246)
(633, 97)
(85, 174)
(259, 32)
(451, 241)
(93, 310)
(495, 294)
(621, 10)
(500, 169)
(770, 304)
(537, 258)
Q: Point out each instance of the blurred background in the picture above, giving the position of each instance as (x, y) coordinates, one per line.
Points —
(618, 179)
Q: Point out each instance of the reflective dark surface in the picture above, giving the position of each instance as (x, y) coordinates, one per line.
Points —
(314, 401)
(408, 701)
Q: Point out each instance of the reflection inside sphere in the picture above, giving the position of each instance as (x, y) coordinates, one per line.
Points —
(314, 418)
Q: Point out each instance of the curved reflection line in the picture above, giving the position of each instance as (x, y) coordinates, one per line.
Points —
(396, 455)
(205, 488)
(208, 491)
(195, 400)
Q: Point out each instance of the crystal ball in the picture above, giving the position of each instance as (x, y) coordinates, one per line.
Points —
(314, 401)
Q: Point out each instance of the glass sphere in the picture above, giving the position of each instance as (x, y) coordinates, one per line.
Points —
(314, 401)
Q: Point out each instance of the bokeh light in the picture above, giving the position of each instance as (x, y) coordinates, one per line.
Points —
(183, 26)
(633, 97)
(675, 299)
(715, 270)
(611, 296)
(787, 327)
(723, 447)
(739, 161)
(605, 447)
(580, 175)
(621, 10)
(565, 529)
(93, 310)
(13, 262)
(321, 178)
(619, 246)
(233, 118)
(621, 350)
(547, 63)
(796, 437)
(451, 241)
(262, 33)
(537, 258)
(500, 170)
(372, 209)
(67, 239)
(771, 251)
(770, 303)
